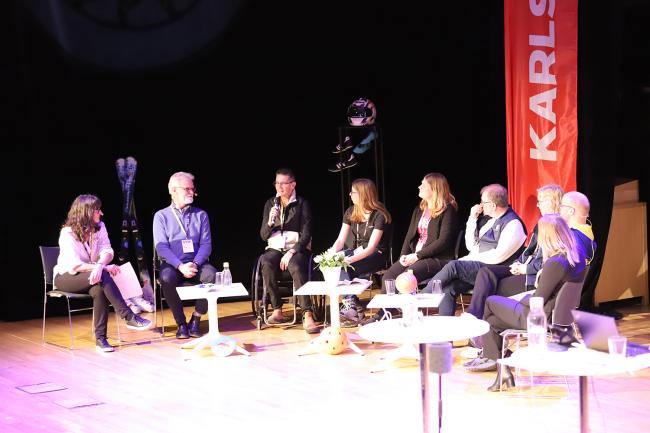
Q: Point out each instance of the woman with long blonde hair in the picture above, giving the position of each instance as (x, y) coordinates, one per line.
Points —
(431, 237)
(564, 261)
(364, 236)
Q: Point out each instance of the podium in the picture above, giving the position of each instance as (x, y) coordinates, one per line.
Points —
(624, 273)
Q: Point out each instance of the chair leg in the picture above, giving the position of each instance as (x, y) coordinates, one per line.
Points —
(295, 307)
(44, 313)
(162, 316)
(162, 312)
(117, 325)
(70, 324)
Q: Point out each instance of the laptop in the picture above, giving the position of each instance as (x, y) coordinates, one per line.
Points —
(596, 329)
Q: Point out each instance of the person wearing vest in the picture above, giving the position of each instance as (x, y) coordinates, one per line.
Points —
(520, 276)
(497, 238)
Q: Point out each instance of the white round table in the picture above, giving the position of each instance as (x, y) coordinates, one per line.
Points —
(429, 329)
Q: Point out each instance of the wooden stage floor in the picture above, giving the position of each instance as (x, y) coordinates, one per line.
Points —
(153, 387)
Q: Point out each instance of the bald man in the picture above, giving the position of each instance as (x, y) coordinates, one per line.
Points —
(574, 209)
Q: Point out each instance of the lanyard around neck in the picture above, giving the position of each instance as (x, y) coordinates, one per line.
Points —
(179, 221)
(365, 229)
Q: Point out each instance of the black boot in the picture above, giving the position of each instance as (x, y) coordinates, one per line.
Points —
(504, 380)
(194, 326)
(182, 332)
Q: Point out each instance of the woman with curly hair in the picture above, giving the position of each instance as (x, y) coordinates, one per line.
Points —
(83, 266)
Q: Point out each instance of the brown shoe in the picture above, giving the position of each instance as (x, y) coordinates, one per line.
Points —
(277, 318)
(308, 323)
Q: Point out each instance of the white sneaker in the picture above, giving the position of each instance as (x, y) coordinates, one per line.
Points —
(143, 304)
(470, 353)
(133, 307)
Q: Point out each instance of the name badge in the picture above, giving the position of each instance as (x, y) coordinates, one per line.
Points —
(188, 246)
(358, 250)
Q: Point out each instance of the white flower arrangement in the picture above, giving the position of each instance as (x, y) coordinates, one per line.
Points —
(330, 259)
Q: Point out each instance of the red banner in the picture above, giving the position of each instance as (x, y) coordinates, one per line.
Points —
(541, 50)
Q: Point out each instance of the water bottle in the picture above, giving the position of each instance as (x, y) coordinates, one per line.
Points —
(536, 324)
(227, 276)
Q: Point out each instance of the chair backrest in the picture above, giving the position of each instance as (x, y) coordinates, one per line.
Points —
(389, 256)
(155, 262)
(459, 243)
(568, 298)
(49, 257)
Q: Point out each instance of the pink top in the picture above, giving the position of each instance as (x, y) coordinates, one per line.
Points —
(423, 226)
(74, 253)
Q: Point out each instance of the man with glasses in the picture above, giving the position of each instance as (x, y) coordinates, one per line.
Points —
(286, 228)
(183, 242)
(519, 276)
(574, 209)
(496, 237)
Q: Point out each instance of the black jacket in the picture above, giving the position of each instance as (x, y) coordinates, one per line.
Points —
(442, 233)
(297, 219)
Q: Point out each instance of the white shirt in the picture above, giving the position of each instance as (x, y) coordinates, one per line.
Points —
(74, 253)
(511, 239)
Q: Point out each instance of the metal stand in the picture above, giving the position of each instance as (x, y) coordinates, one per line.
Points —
(362, 170)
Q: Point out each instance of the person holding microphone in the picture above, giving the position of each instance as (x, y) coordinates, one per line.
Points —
(286, 229)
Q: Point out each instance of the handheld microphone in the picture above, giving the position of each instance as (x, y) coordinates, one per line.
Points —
(276, 205)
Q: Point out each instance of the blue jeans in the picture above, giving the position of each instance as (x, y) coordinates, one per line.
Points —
(457, 276)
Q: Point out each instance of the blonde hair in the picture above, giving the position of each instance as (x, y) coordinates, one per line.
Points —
(368, 201)
(555, 237)
(176, 176)
(442, 195)
(553, 192)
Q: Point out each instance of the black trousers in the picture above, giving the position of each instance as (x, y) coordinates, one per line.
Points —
(103, 293)
(298, 266)
(364, 267)
(495, 280)
(422, 269)
(170, 278)
(501, 313)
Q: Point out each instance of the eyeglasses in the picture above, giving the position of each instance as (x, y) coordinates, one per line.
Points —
(283, 183)
(186, 189)
(569, 206)
(486, 202)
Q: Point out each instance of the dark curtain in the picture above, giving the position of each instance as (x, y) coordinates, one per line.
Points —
(270, 89)
(598, 121)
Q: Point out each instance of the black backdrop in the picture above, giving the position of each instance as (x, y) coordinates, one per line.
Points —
(266, 85)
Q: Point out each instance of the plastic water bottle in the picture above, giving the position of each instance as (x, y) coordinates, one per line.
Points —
(536, 324)
(227, 276)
